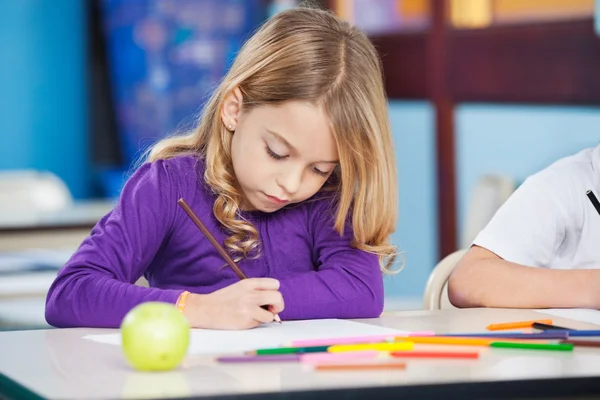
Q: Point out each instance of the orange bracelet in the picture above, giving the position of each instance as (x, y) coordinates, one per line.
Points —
(181, 300)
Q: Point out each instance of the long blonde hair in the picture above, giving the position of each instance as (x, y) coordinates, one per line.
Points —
(308, 55)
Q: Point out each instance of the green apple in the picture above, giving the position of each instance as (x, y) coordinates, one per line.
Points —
(155, 336)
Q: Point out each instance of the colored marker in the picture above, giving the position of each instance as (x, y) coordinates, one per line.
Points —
(516, 325)
(582, 332)
(460, 341)
(314, 358)
(545, 327)
(538, 335)
(583, 343)
(533, 346)
(353, 367)
(394, 346)
(435, 354)
(290, 350)
(356, 339)
(253, 359)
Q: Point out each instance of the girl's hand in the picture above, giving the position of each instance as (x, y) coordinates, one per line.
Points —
(237, 306)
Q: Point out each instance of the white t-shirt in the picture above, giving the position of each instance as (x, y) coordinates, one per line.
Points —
(549, 221)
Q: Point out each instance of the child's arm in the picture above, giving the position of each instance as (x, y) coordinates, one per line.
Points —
(347, 284)
(96, 287)
(482, 279)
(509, 266)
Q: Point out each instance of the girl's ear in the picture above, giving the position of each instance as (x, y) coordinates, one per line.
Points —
(232, 107)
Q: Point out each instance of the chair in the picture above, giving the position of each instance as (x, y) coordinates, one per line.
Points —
(436, 289)
(490, 192)
(30, 191)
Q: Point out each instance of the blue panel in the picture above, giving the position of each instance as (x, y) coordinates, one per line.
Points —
(597, 17)
(517, 141)
(43, 96)
(416, 233)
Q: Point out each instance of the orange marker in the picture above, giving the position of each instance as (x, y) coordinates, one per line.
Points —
(516, 325)
(356, 367)
(449, 340)
(435, 354)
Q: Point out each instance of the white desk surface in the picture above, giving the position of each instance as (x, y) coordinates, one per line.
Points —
(60, 364)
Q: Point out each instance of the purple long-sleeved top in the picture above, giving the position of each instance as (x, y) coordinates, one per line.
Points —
(148, 234)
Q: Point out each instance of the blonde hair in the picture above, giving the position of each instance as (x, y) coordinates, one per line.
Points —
(308, 55)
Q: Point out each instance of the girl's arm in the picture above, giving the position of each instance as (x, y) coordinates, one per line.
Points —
(348, 283)
(96, 286)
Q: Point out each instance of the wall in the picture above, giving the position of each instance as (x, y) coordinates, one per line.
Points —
(416, 234)
(43, 123)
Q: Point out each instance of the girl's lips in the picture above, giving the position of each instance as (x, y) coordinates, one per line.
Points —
(277, 200)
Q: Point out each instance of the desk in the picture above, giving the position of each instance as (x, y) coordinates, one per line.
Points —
(22, 295)
(60, 364)
(61, 229)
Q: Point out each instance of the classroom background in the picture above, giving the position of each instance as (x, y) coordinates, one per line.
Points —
(482, 93)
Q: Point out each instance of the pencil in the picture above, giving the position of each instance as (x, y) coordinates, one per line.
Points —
(594, 200)
(240, 274)
(516, 325)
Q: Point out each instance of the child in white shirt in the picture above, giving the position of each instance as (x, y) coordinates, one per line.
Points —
(542, 248)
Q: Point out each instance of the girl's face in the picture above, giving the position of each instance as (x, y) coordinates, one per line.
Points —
(281, 154)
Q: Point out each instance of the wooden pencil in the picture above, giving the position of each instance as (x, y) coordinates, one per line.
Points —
(240, 274)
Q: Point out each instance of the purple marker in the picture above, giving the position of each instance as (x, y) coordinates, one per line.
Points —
(265, 358)
(508, 335)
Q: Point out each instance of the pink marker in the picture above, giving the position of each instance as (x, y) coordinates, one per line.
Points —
(312, 358)
(356, 339)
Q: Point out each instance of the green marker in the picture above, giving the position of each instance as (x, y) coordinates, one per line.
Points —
(533, 346)
(292, 350)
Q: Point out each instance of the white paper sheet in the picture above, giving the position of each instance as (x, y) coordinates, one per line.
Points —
(578, 314)
(204, 341)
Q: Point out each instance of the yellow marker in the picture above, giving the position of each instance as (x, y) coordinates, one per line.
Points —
(450, 340)
(396, 346)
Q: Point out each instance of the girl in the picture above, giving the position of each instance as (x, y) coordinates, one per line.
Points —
(291, 167)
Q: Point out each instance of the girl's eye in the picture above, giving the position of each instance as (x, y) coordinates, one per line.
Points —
(276, 156)
(319, 172)
(273, 154)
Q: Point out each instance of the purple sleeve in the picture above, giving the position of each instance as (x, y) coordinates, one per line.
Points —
(96, 286)
(348, 282)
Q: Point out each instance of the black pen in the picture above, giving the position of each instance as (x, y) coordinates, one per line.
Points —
(594, 200)
(547, 327)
